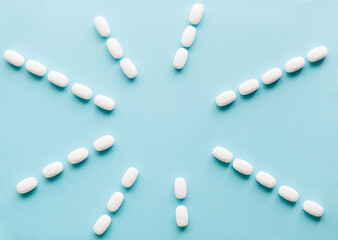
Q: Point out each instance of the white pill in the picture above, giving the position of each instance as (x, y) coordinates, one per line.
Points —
(180, 58)
(271, 76)
(26, 185)
(129, 177)
(266, 179)
(128, 68)
(57, 78)
(225, 98)
(222, 154)
(180, 188)
(104, 143)
(242, 166)
(182, 216)
(104, 102)
(82, 91)
(248, 86)
(294, 64)
(188, 36)
(313, 208)
(52, 169)
(196, 13)
(115, 201)
(102, 224)
(114, 48)
(14, 58)
(317, 54)
(102, 26)
(36, 68)
(288, 193)
(78, 155)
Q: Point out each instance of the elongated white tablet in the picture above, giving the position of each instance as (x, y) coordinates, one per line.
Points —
(242, 166)
(104, 102)
(266, 179)
(53, 169)
(115, 201)
(225, 98)
(180, 58)
(102, 224)
(14, 58)
(182, 216)
(104, 143)
(317, 54)
(78, 155)
(313, 208)
(294, 64)
(114, 48)
(129, 177)
(57, 78)
(102, 26)
(288, 193)
(196, 13)
(248, 86)
(128, 68)
(36, 68)
(180, 188)
(222, 154)
(26, 185)
(188, 36)
(82, 91)
(271, 76)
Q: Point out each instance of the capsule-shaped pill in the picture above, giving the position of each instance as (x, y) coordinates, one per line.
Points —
(114, 48)
(313, 208)
(180, 58)
(115, 201)
(222, 154)
(294, 64)
(248, 86)
(26, 185)
(196, 13)
(128, 68)
(288, 193)
(104, 102)
(271, 76)
(78, 155)
(225, 98)
(104, 143)
(266, 179)
(53, 169)
(242, 166)
(182, 216)
(14, 58)
(180, 188)
(57, 78)
(317, 54)
(188, 36)
(102, 26)
(102, 224)
(129, 177)
(36, 68)
(82, 91)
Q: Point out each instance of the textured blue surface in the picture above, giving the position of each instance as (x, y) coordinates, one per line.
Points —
(166, 123)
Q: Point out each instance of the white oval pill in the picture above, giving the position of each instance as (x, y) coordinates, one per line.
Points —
(104, 142)
(271, 76)
(288, 193)
(36, 68)
(82, 91)
(196, 13)
(294, 64)
(180, 188)
(26, 185)
(104, 102)
(114, 48)
(313, 208)
(14, 58)
(188, 36)
(242, 166)
(52, 169)
(182, 216)
(57, 78)
(128, 68)
(180, 58)
(317, 54)
(225, 98)
(248, 86)
(266, 179)
(102, 224)
(129, 177)
(115, 201)
(78, 155)
(222, 154)
(102, 26)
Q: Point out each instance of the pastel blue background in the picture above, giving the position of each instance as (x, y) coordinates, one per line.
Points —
(166, 122)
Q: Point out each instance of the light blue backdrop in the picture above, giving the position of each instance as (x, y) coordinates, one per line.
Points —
(166, 123)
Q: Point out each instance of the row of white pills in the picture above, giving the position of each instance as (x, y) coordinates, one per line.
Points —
(271, 76)
(267, 180)
(181, 213)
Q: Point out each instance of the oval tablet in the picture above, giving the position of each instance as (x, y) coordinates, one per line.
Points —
(104, 102)
(82, 91)
(271, 76)
(248, 86)
(102, 26)
(225, 98)
(196, 13)
(180, 58)
(14, 58)
(288, 193)
(242, 166)
(78, 155)
(317, 54)
(36, 68)
(128, 68)
(188, 36)
(129, 177)
(57, 78)
(52, 169)
(115, 201)
(26, 185)
(114, 48)
(313, 208)
(222, 154)
(102, 224)
(294, 64)
(181, 216)
(104, 142)
(266, 179)
(180, 188)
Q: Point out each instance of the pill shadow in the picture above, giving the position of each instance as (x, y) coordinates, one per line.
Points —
(53, 179)
(106, 151)
(223, 164)
(27, 195)
(58, 88)
(272, 85)
(225, 108)
(286, 202)
(117, 213)
(243, 176)
(104, 234)
(182, 229)
(81, 99)
(249, 96)
(36, 77)
(312, 218)
(265, 189)
(315, 64)
(132, 187)
(114, 60)
(106, 112)
(16, 68)
(294, 74)
(80, 164)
